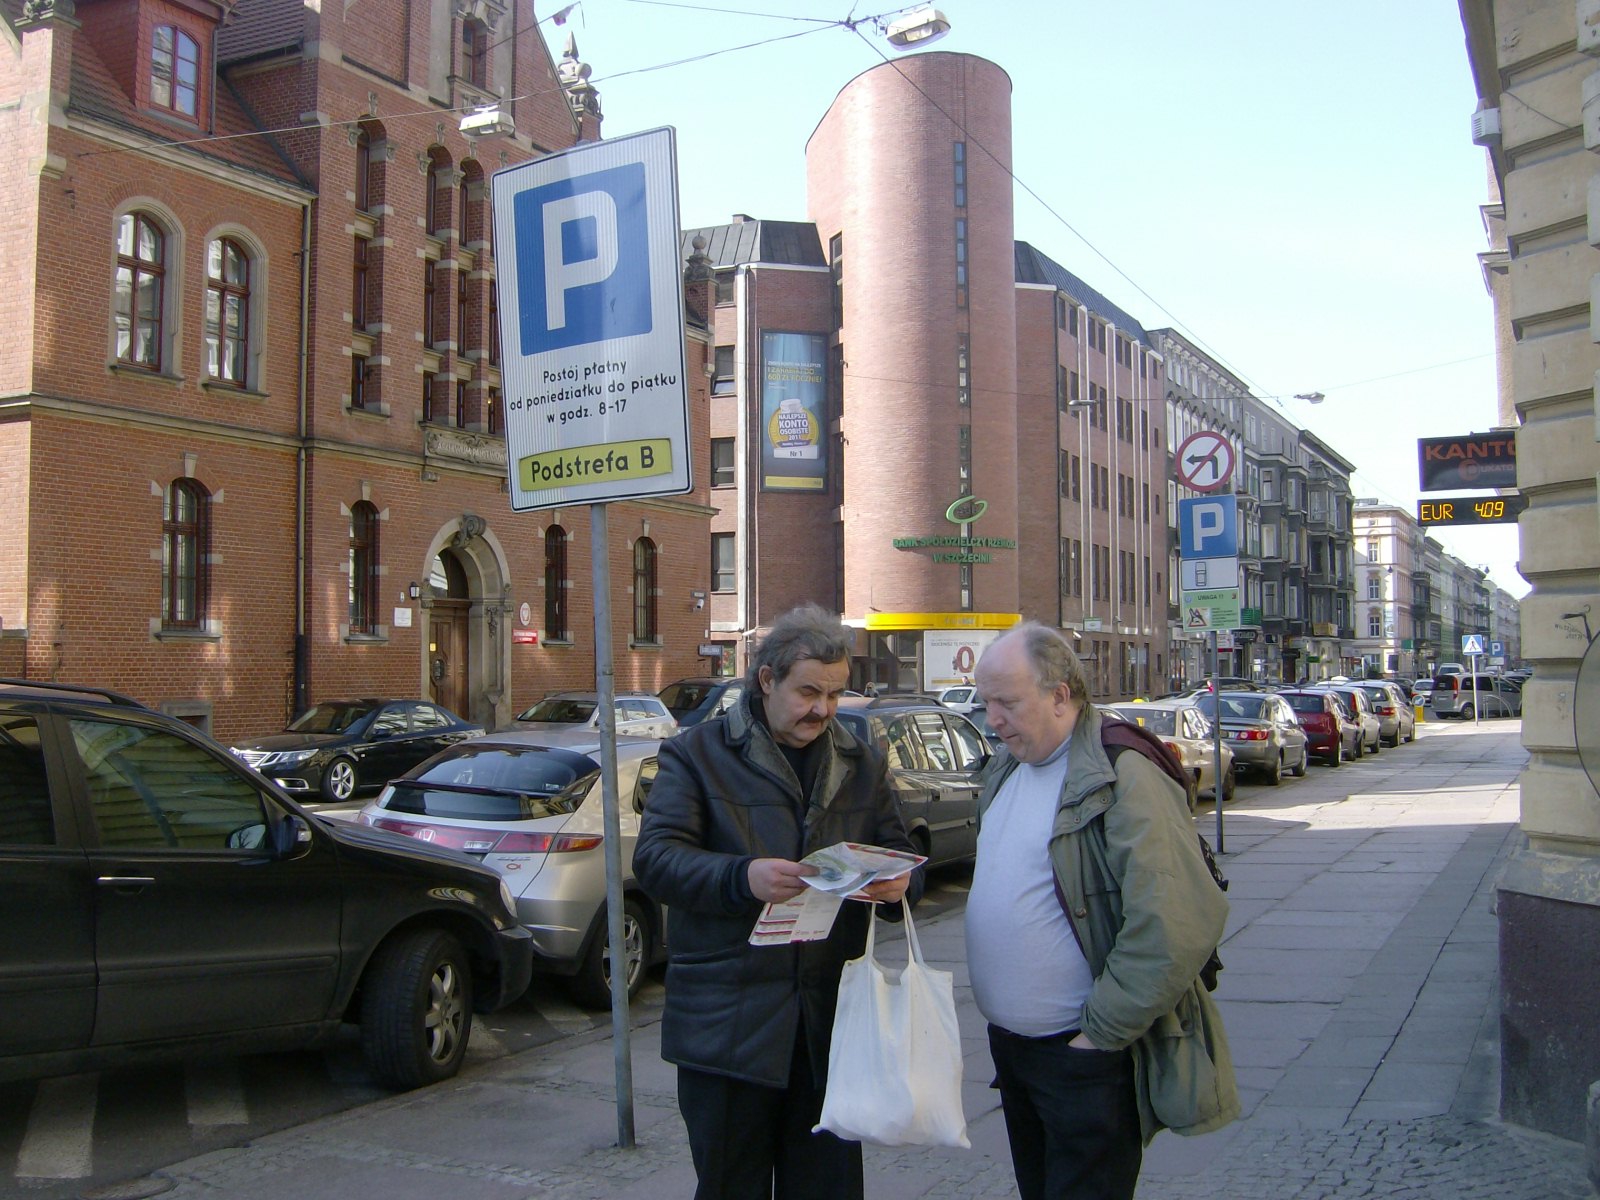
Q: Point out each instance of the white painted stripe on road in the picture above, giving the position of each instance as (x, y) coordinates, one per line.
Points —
(567, 1017)
(483, 1044)
(59, 1143)
(215, 1094)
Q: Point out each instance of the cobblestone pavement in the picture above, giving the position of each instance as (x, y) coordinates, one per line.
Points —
(1436, 1158)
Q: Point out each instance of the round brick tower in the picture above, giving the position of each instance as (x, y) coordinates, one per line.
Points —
(908, 184)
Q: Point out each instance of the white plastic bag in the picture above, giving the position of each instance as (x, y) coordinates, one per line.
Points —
(894, 1066)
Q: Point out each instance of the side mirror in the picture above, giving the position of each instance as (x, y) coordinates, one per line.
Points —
(290, 835)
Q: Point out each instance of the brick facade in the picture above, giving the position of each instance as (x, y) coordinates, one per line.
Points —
(90, 445)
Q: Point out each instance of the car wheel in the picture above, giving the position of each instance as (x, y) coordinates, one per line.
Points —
(1230, 782)
(591, 986)
(1299, 771)
(1275, 776)
(1360, 747)
(922, 843)
(339, 780)
(1377, 744)
(1467, 712)
(1337, 757)
(416, 1009)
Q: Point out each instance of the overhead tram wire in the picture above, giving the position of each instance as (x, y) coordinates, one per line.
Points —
(1043, 203)
(459, 109)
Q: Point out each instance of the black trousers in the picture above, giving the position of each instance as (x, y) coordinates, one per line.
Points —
(751, 1142)
(1072, 1117)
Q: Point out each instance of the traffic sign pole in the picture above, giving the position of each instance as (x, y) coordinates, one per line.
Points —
(1216, 732)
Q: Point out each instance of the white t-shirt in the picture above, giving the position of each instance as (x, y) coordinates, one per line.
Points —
(1028, 973)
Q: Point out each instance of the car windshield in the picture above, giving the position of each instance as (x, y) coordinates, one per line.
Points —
(497, 783)
(1162, 721)
(559, 710)
(685, 697)
(1235, 706)
(335, 717)
(1303, 703)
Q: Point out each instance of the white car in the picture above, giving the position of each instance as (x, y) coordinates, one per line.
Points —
(638, 713)
(529, 806)
(961, 698)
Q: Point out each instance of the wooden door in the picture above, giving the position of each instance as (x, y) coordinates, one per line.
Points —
(447, 656)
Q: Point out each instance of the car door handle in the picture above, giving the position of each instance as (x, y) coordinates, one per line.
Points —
(126, 881)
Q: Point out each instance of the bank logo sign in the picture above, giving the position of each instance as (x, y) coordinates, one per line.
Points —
(590, 297)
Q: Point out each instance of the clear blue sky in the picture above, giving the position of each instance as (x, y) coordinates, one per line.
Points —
(1292, 185)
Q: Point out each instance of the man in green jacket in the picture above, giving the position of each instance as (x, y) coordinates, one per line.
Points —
(1091, 914)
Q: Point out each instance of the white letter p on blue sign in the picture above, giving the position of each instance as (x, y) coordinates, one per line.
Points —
(588, 240)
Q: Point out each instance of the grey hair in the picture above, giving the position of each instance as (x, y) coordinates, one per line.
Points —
(809, 631)
(1052, 658)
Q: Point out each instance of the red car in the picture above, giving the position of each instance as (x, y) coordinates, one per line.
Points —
(1328, 734)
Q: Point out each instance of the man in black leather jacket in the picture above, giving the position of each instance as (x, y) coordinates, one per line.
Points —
(737, 802)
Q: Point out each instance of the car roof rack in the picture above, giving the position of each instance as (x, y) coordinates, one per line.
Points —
(77, 689)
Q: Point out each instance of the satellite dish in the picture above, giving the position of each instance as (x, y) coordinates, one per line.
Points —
(1586, 713)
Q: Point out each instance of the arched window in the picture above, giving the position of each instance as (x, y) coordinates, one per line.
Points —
(175, 71)
(363, 170)
(228, 312)
(185, 536)
(475, 52)
(644, 591)
(440, 190)
(555, 585)
(363, 568)
(140, 284)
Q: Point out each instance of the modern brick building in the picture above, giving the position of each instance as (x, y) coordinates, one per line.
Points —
(250, 412)
(921, 421)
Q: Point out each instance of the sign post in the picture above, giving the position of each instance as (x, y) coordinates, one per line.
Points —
(590, 297)
(1208, 542)
(1472, 647)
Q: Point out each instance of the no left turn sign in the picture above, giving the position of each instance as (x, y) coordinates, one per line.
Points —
(1205, 461)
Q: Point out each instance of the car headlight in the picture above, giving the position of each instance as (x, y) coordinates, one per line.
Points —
(288, 758)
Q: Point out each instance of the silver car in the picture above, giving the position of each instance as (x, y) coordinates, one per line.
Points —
(638, 713)
(529, 806)
(1495, 696)
(1261, 730)
(1397, 721)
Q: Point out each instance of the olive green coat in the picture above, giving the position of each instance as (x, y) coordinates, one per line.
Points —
(1147, 915)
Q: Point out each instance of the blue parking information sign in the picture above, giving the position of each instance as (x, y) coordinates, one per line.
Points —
(590, 298)
(1208, 527)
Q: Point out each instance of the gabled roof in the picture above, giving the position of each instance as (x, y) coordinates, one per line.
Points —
(794, 243)
(1036, 267)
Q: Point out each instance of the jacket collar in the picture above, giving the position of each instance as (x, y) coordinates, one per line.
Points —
(755, 741)
(1089, 771)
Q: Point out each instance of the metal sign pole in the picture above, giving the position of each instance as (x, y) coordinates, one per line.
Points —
(1477, 705)
(1216, 731)
(605, 678)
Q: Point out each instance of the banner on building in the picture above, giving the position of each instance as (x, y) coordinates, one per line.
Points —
(794, 412)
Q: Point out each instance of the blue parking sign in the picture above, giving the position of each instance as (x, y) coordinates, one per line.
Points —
(1208, 527)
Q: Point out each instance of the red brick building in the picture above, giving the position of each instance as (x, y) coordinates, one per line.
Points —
(919, 420)
(251, 436)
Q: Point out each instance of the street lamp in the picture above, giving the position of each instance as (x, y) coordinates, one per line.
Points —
(916, 28)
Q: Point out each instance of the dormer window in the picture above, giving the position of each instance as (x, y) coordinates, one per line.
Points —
(175, 71)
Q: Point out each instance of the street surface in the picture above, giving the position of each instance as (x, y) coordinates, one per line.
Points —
(66, 1137)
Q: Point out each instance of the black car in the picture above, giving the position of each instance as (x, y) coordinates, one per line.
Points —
(935, 756)
(694, 700)
(336, 748)
(176, 902)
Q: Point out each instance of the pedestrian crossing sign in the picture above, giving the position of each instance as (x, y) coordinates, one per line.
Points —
(1472, 643)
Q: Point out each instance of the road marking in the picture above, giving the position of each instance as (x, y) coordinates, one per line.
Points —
(483, 1044)
(59, 1143)
(564, 1016)
(215, 1093)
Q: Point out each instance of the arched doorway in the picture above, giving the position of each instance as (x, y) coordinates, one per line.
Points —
(466, 660)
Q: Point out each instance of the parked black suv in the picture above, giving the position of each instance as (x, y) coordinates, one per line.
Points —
(161, 898)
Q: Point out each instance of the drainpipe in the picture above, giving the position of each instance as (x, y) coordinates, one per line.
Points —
(302, 648)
